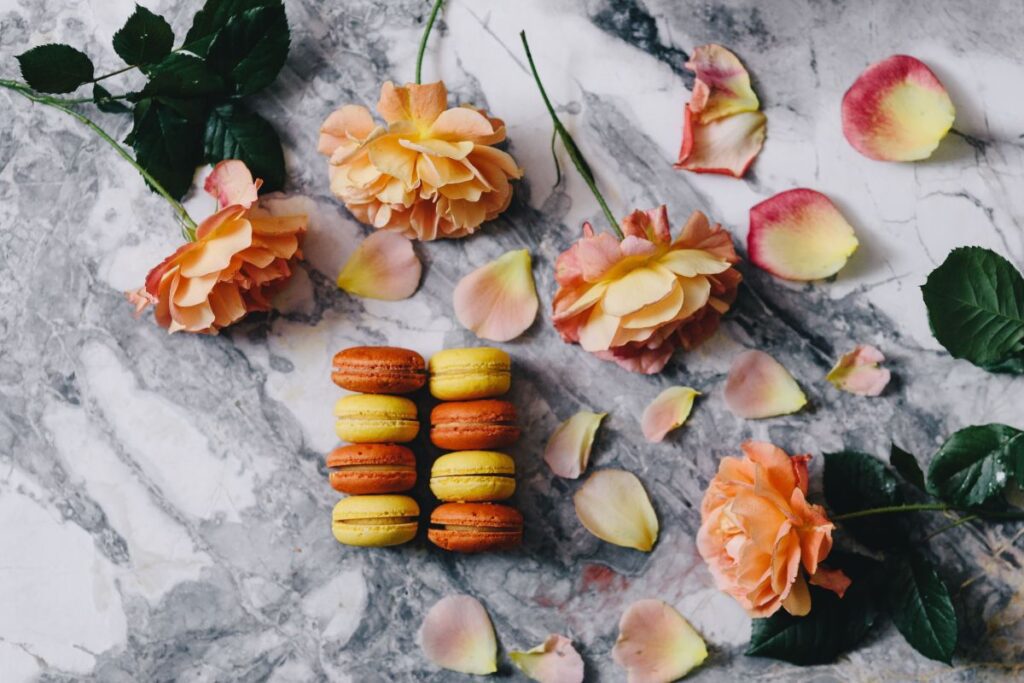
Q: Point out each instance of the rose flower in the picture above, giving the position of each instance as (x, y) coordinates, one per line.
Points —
(636, 300)
(431, 172)
(759, 536)
(240, 257)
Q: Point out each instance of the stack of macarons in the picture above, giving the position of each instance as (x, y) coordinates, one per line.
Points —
(375, 468)
(473, 423)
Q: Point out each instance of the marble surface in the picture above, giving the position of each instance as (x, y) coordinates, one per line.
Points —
(165, 513)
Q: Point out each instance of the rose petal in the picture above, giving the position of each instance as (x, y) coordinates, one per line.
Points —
(758, 386)
(231, 183)
(498, 301)
(897, 110)
(568, 449)
(656, 644)
(555, 661)
(666, 412)
(858, 372)
(457, 635)
(798, 601)
(726, 146)
(834, 580)
(722, 84)
(799, 235)
(383, 266)
(613, 505)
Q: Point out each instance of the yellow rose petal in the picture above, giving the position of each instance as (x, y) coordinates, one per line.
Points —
(554, 661)
(383, 266)
(758, 386)
(667, 412)
(568, 450)
(498, 301)
(613, 505)
(457, 635)
(656, 644)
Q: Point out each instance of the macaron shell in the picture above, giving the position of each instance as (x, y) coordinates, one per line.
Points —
(462, 374)
(461, 541)
(478, 515)
(370, 521)
(473, 462)
(374, 508)
(465, 425)
(362, 482)
(372, 418)
(481, 527)
(379, 370)
(372, 468)
(472, 488)
(374, 535)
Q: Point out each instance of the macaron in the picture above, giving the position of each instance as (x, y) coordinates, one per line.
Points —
(463, 425)
(379, 370)
(372, 468)
(473, 476)
(375, 418)
(475, 527)
(465, 374)
(375, 521)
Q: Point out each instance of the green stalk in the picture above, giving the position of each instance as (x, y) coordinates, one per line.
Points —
(423, 40)
(929, 507)
(570, 145)
(64, 105)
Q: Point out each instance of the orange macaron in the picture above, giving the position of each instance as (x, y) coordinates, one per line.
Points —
(475, 527)
(379, 370)
(473, 425)
(365, 468)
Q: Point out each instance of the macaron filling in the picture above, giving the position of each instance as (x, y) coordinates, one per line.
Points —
(378, 521)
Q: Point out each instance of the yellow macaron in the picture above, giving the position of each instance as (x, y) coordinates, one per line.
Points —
(473, 476)
(375, 418)
(465, 374)
(375, 521)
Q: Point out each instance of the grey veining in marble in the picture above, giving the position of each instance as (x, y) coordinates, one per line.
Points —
(164, 513)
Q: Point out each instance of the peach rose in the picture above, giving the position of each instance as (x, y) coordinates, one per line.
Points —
(241, 255)
(636, 300)
(431, 172)
(759, 535)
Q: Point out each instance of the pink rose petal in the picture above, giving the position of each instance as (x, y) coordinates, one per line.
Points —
(667, 412)
(231, 183)
(897, 110)
(613, 505)
(834, 580)
(799, 235)
(656, 644)
(457, 635)
(758, 386)
(555, 661)
(568, 449)
(383, 266)
(498, 301)
(858, 372)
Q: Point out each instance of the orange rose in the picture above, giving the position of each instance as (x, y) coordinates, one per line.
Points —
(241, 255)
(758, 531)
(430, 172)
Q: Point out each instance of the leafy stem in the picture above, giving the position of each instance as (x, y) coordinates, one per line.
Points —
(929, 507)
(65, 106)
(423, 40)
(570, 145)
(114, 73)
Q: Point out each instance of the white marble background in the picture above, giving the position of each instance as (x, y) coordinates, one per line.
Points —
(163, 508)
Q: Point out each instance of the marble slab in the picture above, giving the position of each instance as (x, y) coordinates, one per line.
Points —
(164, 513)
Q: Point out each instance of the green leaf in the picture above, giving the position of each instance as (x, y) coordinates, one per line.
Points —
(55, 68)
(233, 132)
(975, 303)
(906, 464)
(858, 481)
(145, 38)
(974, 465)
(833, 626)
(212, 18)
(167, 145)
(920, 606)
(105, 101)
(251, 49)
(181, 75)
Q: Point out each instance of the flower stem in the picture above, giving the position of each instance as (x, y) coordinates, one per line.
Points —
(115, 73)
(64, 106)
(929, 507)
(948, 527)
(570, 145)
(423, 40)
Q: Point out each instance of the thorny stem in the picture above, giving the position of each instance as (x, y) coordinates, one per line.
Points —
(570, 145)
(423, 40)
(64, 105)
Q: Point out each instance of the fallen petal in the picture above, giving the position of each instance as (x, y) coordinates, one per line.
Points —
(897, 110)
(498, 301)
(568, 449)
(834, 580)
(656, 644)
(457, 635)
(613, 505)
(799, 235)
(858, 372)
(725, 146)
(758, 386)
(555, 661)
(722, 84)
(666, 412)
(384, 266)
(231, 183)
